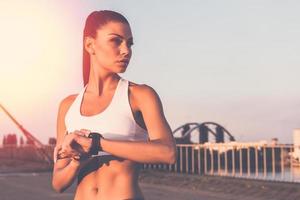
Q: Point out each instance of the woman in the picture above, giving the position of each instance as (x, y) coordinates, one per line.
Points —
(128, 116)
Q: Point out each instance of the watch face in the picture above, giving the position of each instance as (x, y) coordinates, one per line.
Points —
(95, 133)
(95, 148)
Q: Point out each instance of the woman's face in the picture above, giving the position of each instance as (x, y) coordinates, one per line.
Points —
(112, 47)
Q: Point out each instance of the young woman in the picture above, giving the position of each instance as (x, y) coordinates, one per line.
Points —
(127, 120)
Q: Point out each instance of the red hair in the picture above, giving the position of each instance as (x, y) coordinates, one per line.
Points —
(94, 21)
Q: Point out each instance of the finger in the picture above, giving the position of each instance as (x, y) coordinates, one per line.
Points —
(65, 152)
(66, 149)
(56, 149)
(61, 156)
(79, 134)
(77, 157)
(59, 151)
(55, 154)
(62, 151)
(74, 152)
(66, 155)
(75, 131)
(85, 131)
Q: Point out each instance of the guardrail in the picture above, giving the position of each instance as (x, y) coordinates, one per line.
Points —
(267, 162)
(242, 160)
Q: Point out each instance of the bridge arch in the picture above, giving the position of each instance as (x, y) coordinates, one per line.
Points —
(204, 130)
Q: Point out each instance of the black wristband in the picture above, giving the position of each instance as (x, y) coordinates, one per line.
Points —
(96, 147)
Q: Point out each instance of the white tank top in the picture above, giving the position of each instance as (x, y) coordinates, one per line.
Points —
(115, 122)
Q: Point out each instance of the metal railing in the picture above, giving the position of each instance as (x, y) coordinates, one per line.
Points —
(244, 160)
(254, 161)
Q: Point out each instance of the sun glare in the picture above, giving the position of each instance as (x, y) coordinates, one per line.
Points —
(31, 58)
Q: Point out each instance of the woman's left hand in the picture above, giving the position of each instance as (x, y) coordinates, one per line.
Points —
(83, 140)
(75, 144)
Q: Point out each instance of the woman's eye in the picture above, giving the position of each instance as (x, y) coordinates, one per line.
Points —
(130, 44)
(116, 41)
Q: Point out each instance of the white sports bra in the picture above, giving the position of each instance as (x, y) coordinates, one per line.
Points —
(115, 122)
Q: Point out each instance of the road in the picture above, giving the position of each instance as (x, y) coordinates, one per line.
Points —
(37, 186)
(156, 186)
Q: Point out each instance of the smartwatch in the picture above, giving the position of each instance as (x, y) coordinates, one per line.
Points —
(96, 147)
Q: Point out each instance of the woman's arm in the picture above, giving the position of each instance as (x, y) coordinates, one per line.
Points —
(64, 174)
(161, 148)
(64, 170)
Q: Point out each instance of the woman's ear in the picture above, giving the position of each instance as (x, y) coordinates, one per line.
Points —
(89, 45)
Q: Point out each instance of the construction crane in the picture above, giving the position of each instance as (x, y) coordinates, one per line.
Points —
(30, 138)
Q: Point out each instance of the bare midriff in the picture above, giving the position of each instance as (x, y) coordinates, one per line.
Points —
(112, 179)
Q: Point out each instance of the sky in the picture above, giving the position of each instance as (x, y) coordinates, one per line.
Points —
(235, 63)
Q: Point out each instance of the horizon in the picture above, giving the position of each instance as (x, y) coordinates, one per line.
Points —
(234, 63)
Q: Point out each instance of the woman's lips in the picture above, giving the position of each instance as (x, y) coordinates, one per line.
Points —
(123, 61)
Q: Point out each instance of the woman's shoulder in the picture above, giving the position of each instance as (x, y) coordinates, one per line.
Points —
(140, 88)
(143, 92)
(66, 102)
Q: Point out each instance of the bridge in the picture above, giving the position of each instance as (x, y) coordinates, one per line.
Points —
(202, 130)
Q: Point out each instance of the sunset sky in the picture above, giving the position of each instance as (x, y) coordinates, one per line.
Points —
(236, 63)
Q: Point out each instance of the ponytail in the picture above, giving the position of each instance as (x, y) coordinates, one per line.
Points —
(94, 21)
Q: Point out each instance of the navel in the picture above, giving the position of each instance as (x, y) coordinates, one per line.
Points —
(95, 190)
